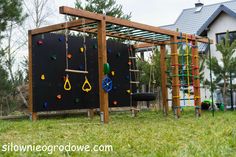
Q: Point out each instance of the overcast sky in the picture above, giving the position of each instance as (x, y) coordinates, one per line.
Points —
(152, 12)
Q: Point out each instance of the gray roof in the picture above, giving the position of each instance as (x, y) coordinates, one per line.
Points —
(193, 22)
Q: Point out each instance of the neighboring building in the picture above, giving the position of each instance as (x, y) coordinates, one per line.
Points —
(210, 21)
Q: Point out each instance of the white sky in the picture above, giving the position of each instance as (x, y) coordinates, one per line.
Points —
(152, 12)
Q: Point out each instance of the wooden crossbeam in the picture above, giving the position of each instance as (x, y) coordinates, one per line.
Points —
(61, 26)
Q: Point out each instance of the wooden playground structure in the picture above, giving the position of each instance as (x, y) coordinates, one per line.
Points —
(105, 26)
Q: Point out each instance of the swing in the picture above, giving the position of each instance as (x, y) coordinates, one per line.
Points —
(86, 85)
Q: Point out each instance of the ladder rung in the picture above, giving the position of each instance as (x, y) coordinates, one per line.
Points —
(133, 57)
(134, 82)
(133, 70)
(76, 71)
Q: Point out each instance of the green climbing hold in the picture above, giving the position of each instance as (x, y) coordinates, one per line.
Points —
(53, 57)
(118, 54)
(106, 68)
(95, 46)
(77, 100)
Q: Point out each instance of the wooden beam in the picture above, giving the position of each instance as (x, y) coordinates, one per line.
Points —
(126, 23)
(196, 81)
(175, 77)
(61, 26)
(31, 110)
(147, 45)
(164, 80)
(80, 13)
(102, 59)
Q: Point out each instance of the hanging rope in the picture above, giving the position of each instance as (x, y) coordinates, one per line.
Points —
(86, 86)
(66, 41)
(187, 62)
(183, 84)
(67, 85)
(84, 45)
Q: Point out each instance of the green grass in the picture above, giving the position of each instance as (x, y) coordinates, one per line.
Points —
(149, 134)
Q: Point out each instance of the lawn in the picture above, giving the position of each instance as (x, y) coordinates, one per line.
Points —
(149, 134)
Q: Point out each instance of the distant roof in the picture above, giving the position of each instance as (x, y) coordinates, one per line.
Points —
(195, 22)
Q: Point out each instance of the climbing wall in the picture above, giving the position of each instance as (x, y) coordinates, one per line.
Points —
(48, 73)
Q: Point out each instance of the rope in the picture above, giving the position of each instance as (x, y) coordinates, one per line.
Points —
(84, 45)
(66, 41)
(187, 62)
(182, 68)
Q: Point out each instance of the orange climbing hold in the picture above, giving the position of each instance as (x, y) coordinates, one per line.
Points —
(69, 56)
(59, 97)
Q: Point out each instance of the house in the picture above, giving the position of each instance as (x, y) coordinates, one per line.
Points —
(210, 21)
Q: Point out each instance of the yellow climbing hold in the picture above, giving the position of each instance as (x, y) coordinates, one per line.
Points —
(113, 73)
(128, 91)
(42, 77)
(81, 49)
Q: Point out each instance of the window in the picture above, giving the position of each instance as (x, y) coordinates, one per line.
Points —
(221, 36)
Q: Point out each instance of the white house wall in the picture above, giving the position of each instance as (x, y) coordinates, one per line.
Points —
(223, 23)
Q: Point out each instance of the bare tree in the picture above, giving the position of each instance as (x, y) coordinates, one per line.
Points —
(38, 11)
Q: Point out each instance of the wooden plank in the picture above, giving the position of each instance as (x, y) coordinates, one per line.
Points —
(102, 59)
(81, 13)
(126, 23)
(61, 26)
(76, 71)
(164, 79)
(196, 82)
(175, 79)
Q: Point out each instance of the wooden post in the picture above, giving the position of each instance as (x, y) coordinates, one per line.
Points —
(175, 77)
(164, 80)
(196, 82)
(33, 114)
(102, 59)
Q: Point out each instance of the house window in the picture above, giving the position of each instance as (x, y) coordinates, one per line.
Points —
(221, 36)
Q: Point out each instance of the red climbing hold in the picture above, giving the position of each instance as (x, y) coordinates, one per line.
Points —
(40, 42)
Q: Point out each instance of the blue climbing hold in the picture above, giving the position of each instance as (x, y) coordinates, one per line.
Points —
(109, 50)
(81, 67)
(45, 105)
(61, 39)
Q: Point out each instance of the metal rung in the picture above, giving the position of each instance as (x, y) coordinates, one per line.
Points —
(134, 82)
(133, 70)
(182, 99)
(76, 71)
(133, 57)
